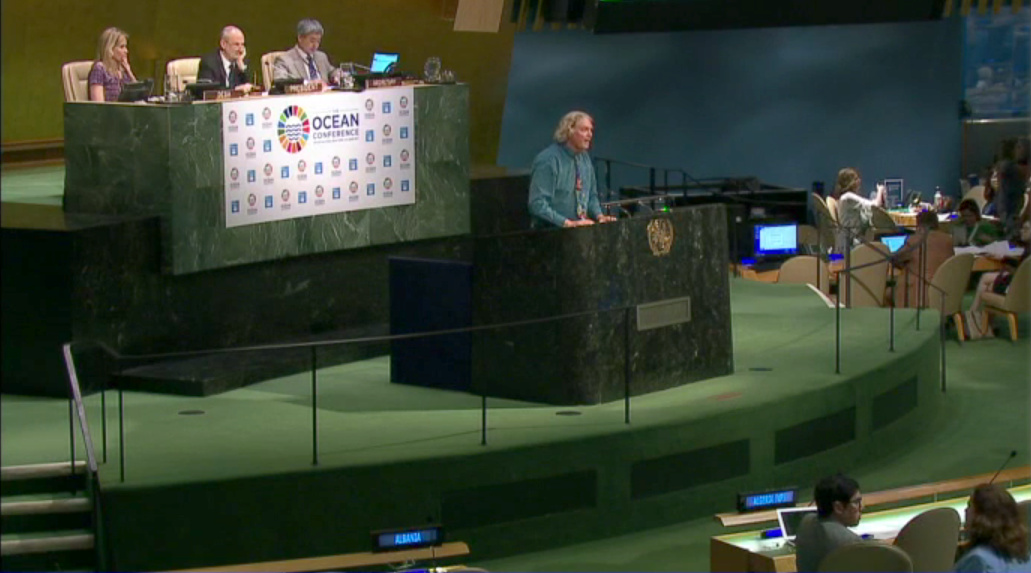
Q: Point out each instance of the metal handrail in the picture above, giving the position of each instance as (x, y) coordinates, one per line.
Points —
(77, 411)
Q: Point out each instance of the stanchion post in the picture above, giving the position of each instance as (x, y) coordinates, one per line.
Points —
(627, 364)
(314, 407)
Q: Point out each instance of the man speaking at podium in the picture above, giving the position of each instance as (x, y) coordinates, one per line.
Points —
(304, 61)
(563, 188)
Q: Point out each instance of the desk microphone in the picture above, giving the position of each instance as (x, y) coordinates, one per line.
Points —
(1012, 455)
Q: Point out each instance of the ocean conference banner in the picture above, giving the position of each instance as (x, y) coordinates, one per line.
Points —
(315, 154)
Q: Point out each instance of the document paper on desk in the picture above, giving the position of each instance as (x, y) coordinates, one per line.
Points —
(315, 154)
(998, 249)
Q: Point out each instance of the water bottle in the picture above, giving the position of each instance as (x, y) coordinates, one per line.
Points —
(939, 201)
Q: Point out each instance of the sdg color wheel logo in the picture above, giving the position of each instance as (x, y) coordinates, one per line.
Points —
(294, 129)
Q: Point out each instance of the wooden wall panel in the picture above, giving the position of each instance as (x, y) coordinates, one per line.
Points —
(38, 37)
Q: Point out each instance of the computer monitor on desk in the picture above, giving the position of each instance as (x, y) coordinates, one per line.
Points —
(789, 518)
(136, 91)
(384, 62)
(777, 240)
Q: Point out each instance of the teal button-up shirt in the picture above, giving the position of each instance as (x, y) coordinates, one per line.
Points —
(553, 186)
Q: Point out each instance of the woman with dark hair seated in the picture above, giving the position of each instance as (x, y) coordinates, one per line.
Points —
(997, 536)
(975, 231)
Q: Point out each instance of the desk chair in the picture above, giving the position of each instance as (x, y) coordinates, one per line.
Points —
(75, 76)
(977, 194)
(805, 269)
(930, 539)
(868, 556)
(1016, 300)
(867, 284)
(268, 62)
(881, 223)
(824, 221)
(809, 240)
(952, 277)
(832, 206)
(185, 69)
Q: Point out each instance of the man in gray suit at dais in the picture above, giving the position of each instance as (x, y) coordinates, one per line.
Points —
(304, 61)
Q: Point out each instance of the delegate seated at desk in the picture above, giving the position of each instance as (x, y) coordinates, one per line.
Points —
(839, 505)
(304, 61)
(111, 71)
(227, 65)
(997, 536)
(563, 187)
(937, 248)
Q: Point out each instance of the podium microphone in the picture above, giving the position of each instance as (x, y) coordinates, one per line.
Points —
(1012, 455)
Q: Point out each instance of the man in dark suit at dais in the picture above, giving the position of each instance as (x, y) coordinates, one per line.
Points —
(227, 65)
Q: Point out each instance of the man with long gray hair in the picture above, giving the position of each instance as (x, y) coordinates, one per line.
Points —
(563, 187)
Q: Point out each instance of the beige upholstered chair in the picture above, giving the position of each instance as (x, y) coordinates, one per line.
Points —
(808, 239)
(824, 221)
(182, 71)
(952, 277)
(867, 556)
(867, 284)
(832, 206)
(1016, 300)
(977, 194)
(805, 269)
(930, 539)
(75, 76)
(268, 62)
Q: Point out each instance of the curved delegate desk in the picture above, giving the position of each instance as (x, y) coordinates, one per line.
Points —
(748, 552)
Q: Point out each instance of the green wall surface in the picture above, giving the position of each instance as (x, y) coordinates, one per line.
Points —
(39, 37)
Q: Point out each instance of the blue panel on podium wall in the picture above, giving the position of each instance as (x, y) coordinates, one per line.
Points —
(429, 295)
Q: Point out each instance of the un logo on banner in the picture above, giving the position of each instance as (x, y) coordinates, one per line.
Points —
(404, 133)
(370, 189)
(405, 185)
(370, 135)
(234, 149)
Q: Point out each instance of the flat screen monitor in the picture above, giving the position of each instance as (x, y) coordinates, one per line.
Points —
(776, 240)
(197, 89)
(790, 518)
(893, 193)
(893, 242)
(383, 61)
(136, 91)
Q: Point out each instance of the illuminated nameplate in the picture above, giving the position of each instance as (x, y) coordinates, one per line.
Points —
(383, 82)
(410, 538)
(218, 95)
(304, 88)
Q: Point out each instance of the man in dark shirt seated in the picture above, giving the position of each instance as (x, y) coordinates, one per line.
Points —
(839, 506)
(227, 65)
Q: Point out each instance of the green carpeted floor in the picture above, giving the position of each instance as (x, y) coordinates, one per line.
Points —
(783, 343)
(267, 427)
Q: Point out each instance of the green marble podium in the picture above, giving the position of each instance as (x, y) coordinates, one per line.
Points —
(166, 161)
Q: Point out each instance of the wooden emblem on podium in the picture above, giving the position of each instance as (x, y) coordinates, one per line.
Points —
(660, 236)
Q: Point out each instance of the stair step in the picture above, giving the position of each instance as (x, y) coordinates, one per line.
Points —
(36, 471)
(70, 505)
(21, 544)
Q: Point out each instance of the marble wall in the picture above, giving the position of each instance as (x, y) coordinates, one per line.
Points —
(166, 160)
(601, 270)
